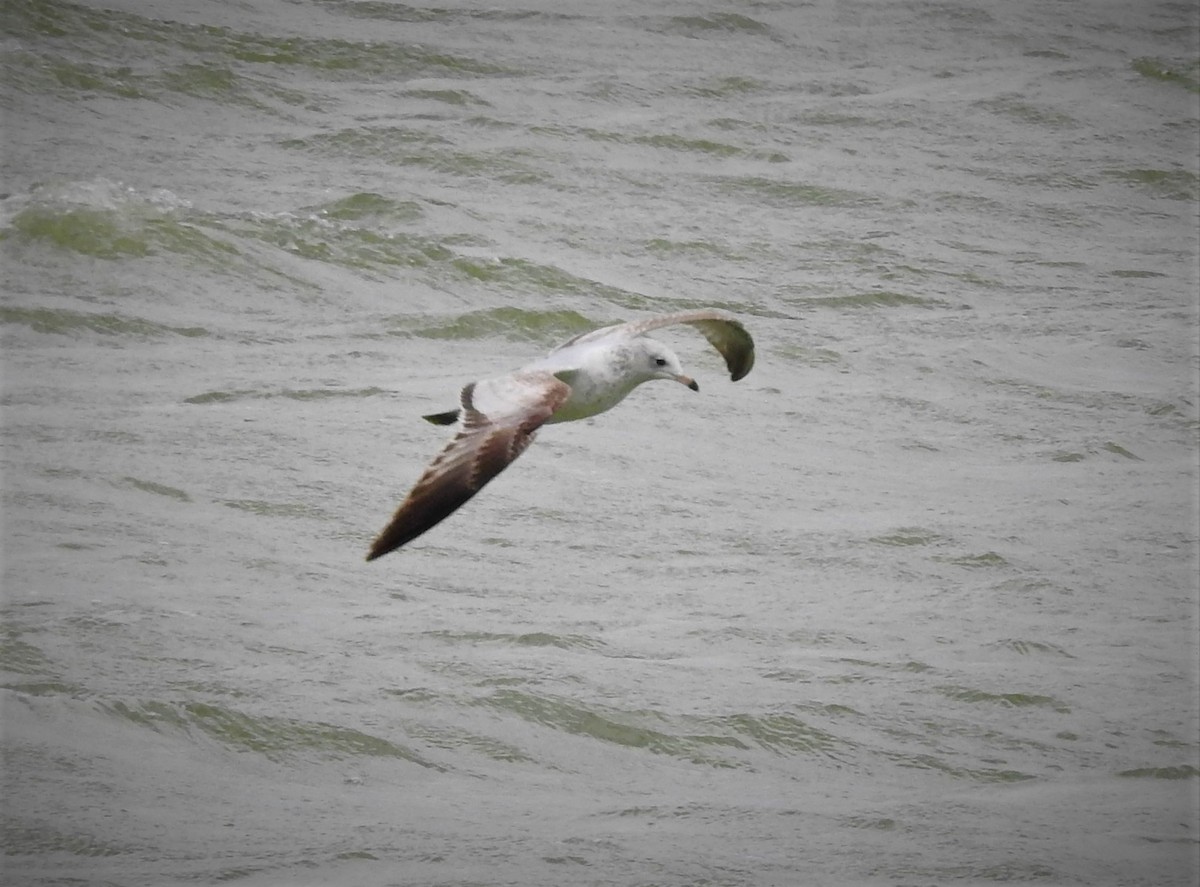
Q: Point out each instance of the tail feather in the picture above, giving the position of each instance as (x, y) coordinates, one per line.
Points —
(447, 418)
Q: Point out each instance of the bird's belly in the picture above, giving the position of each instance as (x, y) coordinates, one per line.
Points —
(584, 403)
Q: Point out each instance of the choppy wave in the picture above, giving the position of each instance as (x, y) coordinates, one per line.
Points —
(914, 602)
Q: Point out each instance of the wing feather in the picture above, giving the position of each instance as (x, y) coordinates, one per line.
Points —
(484, 446)
(722, 330)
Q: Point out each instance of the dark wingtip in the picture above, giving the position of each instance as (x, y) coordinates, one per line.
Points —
(384, 544)
(743, 370)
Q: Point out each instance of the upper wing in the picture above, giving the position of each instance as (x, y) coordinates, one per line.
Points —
(723, 331)
(492, 433)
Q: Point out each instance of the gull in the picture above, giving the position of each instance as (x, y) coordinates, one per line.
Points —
(497, 417)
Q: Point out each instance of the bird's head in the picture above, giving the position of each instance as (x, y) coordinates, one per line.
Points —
(656, 361)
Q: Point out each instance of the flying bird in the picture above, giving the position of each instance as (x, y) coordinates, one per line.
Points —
(498, 417)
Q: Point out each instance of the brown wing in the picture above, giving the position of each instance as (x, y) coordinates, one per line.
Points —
(483, 447)
(723, 331)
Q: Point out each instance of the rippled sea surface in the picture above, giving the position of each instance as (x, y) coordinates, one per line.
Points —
(915, 603)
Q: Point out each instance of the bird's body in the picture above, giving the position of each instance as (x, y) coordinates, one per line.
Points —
(584, 377)
(594, 387)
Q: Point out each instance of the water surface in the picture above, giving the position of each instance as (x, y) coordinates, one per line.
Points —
(914, 603)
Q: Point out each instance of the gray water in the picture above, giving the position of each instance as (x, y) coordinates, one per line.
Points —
(915, 603)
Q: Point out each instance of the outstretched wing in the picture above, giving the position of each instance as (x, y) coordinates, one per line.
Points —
(497, 422)
(723, 331)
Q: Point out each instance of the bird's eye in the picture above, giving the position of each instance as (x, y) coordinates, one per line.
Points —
(660, 361)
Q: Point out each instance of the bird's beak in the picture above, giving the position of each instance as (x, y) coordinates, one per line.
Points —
(688, 381)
